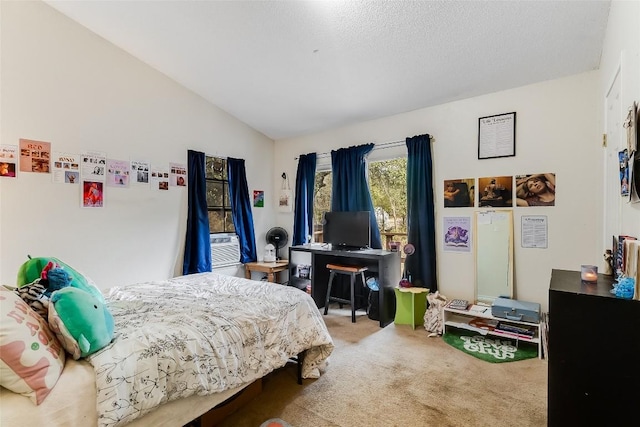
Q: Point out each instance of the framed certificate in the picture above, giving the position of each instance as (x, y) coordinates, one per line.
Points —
(497, 136)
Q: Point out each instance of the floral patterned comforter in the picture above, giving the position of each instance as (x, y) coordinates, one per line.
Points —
(201, 334)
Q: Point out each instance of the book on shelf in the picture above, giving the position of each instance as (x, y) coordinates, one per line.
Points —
(512, 335)
(525, 331)
(482, 323)
(619, 252)
(458, 304)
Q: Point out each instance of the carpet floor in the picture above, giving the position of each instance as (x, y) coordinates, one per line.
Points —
(397, 376)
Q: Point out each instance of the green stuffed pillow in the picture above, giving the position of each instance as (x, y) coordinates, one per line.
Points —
(32, 270)
(82, 323)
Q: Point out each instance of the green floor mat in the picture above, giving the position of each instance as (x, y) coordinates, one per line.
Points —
(488, 347)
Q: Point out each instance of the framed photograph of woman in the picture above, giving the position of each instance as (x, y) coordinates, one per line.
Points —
(536, 189)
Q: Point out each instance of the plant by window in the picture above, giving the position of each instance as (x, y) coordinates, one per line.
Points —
(218, 203)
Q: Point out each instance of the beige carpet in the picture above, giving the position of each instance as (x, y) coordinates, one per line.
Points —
(396, 376)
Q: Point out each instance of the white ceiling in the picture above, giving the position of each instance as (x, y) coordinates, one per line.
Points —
(290, 68)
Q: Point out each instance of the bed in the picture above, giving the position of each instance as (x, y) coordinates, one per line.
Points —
(181, 347)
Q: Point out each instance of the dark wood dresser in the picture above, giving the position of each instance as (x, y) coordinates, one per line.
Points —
(594, 353)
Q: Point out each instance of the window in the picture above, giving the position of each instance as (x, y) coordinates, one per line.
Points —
(388, 187)
(321, 202)
(218, 203)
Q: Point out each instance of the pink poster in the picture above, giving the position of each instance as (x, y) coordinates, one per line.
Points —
(34, 156)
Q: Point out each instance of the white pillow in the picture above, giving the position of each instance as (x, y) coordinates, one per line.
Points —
(31, 357)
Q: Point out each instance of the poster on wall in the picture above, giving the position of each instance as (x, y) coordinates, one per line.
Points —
(34, 156)
(459, 193)
(495, 192)
(178, 175)
(93, 165)
(497, 136)
(140, 171)
(623, 158)
(534, 231)
(8, 161)
(258, 198)
(66, 168)
(536, 189)
(457, 234)
(634, 177)
(117, 173)
(92, 194)
(159, 179)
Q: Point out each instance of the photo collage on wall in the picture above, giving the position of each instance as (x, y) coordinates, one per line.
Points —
(501, 191)
(8, 160)
(92, 171)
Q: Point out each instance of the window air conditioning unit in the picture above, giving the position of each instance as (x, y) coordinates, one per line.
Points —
(225, 250)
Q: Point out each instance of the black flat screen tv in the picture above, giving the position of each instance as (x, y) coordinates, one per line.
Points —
(347, 229)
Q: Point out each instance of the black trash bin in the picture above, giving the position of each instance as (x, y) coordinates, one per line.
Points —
(373, 307)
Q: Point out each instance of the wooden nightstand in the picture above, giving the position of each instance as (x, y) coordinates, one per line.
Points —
(271, 268)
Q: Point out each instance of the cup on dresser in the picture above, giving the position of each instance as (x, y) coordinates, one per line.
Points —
(589, 273)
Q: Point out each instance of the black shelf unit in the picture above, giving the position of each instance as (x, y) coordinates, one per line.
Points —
(594, 343)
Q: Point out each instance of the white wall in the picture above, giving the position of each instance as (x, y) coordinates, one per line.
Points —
(558, 130)
(621, 51)
(63, 84)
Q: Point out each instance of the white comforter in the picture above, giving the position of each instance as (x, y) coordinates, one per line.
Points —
(201, 334)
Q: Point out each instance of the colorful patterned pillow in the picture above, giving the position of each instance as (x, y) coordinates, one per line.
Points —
(31, 358)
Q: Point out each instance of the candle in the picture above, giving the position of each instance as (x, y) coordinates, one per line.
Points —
(589, 273)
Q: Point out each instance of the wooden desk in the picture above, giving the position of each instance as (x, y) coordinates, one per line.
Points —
(271, 268)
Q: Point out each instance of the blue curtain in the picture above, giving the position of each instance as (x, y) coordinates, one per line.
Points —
(350, 190)
(241, 208)
(421, 214)
(197, 249)
(303, 213)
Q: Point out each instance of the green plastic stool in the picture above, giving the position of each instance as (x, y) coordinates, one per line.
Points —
(411, 304)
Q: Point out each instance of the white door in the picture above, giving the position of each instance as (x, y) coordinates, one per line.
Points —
(613, 129)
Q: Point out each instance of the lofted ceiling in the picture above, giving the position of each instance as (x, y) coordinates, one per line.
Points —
(290, 68)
